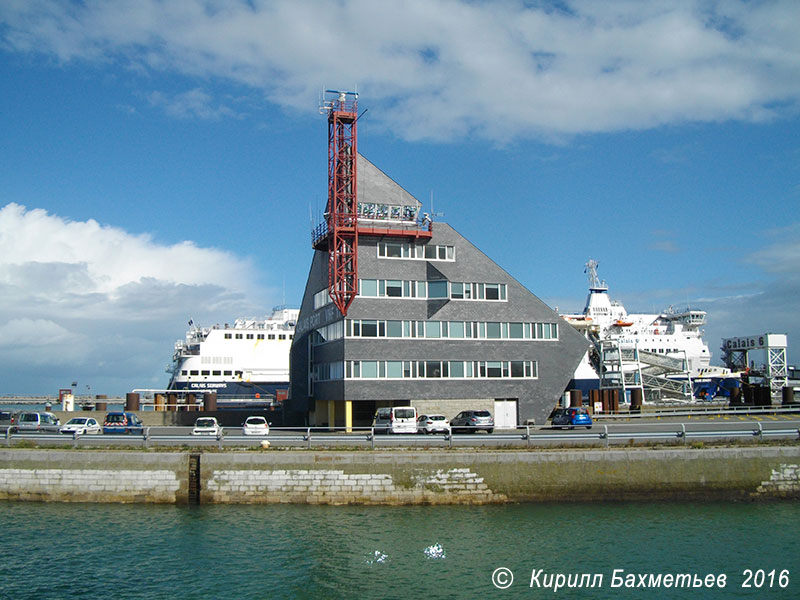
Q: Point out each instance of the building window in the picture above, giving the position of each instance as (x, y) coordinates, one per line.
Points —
(436, 369)
(492, 330)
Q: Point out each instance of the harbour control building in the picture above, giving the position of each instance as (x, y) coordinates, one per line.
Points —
(399, 310)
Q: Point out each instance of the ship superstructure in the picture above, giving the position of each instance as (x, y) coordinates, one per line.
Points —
(658, 352)
(248, 360)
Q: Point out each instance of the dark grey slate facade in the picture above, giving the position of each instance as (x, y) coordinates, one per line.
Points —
(320, 401)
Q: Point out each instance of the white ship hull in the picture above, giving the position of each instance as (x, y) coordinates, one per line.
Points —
(248, 360)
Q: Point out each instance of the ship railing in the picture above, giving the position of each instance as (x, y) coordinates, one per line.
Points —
(368, 438)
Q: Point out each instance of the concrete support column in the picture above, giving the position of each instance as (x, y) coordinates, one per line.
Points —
(575, 398)
(348, 415)
(132, 401)
(331, 414)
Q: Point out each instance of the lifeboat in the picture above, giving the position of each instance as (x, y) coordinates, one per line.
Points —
(621, 323)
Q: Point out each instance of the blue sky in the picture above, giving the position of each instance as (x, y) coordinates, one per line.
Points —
(160, 160)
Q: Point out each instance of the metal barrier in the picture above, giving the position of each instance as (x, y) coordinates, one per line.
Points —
(520, 437)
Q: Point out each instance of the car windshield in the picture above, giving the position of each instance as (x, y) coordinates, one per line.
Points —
(76, 421)
(404, 413)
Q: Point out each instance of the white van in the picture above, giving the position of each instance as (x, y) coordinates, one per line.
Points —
(395, 419)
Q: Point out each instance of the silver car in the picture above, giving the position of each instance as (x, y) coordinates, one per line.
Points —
(470, 421)
(37, 421)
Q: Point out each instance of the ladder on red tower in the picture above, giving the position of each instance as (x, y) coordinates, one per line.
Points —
(342, 209)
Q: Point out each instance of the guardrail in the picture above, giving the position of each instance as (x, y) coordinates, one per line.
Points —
(520, 437)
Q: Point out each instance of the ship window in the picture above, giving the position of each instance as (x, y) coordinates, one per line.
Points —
(260, 336)
(227, 336)
(272, 336)
(291, 337)
(238, 336)
(204, 373)
(227, 373)
(249, 336)
(184, 372)
(193, 372)
(281, 337)
(217, 373)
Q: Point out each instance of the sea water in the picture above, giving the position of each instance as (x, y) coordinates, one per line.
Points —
(52, 550)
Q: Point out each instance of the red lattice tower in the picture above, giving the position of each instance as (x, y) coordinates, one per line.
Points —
(342, 210)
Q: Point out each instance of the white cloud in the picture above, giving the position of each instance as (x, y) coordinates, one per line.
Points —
(441, 69)
(80, 296)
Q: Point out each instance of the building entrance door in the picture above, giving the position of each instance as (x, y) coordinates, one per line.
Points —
(505, 413)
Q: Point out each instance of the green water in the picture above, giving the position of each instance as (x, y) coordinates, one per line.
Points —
(248, 552)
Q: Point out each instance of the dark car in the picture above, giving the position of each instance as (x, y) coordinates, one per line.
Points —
(572, 417)
(471, 421)
(123, 422)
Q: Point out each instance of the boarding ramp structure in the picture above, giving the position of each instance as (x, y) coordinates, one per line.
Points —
(740, 353)
(625, 367)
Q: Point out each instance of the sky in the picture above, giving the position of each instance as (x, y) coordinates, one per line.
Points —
(162, 161)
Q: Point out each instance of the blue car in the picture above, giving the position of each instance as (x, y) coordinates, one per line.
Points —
(572, 417)
(123, 422)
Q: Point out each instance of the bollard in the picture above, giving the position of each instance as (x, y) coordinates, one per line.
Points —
(190, 402)
(787, 395)
(101, 406)
(172, 402)
(636, 400)
(575, 398)
(210, 401)
(131, 401)
(158, 402)
(736, 396)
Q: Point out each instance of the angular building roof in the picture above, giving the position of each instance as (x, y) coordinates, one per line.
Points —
(376, 186)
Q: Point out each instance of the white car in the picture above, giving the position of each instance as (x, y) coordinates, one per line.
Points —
(82, 426)
(255, 426)
(207, 426)
(433, 424)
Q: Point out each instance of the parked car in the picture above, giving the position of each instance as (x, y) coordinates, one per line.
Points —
(395, 419)
(472, 421)
(123, 422)
(255, 426)
(433, 424)
(572, 417)
(36, 421)
(207, 426)
(7, 419)
(82, 426)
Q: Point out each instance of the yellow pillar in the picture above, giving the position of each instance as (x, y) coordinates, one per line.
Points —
(348, 415)
(331, 414)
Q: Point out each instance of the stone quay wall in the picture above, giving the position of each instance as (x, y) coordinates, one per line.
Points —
(401, 477)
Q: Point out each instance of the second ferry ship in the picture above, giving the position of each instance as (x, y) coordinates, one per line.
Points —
(244, 362)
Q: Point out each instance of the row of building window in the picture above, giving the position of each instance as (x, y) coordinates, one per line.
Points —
(426, 369)
(257, 336)
(453, 290)
(439, 289)
(492, 330)
(413, 251)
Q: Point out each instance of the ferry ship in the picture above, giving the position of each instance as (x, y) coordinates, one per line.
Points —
(661, 353)
(243, 363)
